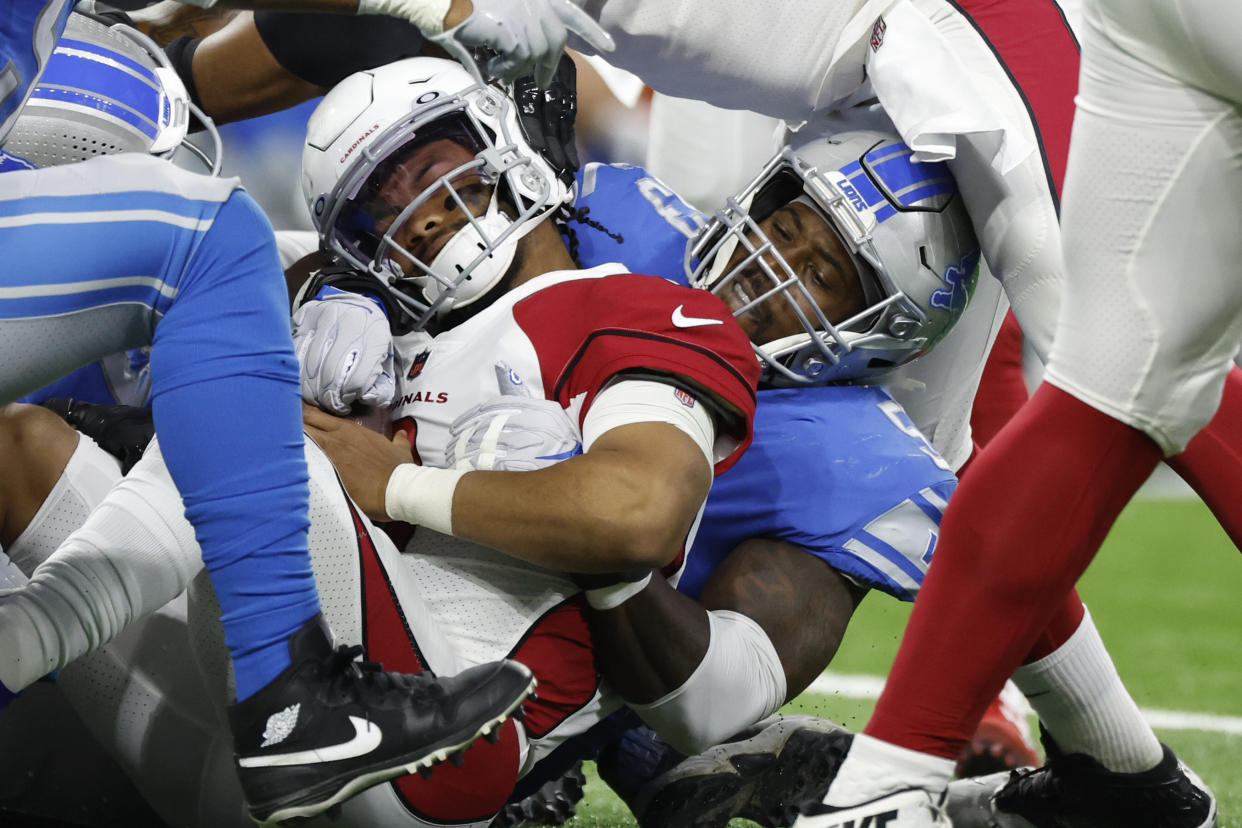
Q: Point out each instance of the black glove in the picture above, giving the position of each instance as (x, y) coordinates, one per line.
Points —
(547, 117)
(121, 430)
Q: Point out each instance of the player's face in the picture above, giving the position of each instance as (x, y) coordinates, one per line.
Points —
(425, 232)
(819, 260)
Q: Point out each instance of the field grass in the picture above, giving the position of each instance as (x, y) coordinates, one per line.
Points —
(1166, 594)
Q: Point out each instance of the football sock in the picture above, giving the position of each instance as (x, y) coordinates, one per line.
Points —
(1065, 621)
(1018, 532)
(1081, 701)
(1212, 461)
(228, 412)
(874, 768)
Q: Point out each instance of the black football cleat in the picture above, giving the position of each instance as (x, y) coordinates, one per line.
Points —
(763, 774)
(555, 803)
(1075, 791)
(328, 727)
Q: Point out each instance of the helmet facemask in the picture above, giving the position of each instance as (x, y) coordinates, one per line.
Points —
(889, 326)
(436, 205)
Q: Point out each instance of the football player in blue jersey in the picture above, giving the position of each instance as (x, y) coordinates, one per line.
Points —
(187, 264)
(830, 290)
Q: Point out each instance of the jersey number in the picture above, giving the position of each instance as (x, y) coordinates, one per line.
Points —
(898, 417)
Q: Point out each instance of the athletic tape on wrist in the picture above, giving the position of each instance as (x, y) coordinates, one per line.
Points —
(427, 15)
(422, 496)
(611, 597)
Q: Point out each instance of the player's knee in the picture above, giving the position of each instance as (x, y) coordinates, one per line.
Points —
(35, 445)
(29, 432)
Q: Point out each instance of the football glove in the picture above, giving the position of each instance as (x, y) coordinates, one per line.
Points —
(121, 430)
(512, 432)
(344, 347)
(528, 35)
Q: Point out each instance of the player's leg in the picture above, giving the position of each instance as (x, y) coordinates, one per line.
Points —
(35, 445)
(749, 765)
(1002, 388)
(191, 262)
(1166, 350)
(1212, 461)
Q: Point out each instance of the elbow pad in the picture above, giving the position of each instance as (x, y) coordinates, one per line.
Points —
(741, 665)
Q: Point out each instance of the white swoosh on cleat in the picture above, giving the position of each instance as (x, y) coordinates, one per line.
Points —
(367, 737)
(683, 321)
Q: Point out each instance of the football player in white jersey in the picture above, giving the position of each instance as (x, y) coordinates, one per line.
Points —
(1137, 367)
(654, 388)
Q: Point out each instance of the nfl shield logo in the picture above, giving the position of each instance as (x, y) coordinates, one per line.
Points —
(683, 397)
(417, 367)
(877, 35)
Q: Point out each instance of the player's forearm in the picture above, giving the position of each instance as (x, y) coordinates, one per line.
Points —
(237, 76)
(446, 12)
(594, 513)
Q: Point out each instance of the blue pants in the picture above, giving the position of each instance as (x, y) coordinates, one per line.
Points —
(128, 250)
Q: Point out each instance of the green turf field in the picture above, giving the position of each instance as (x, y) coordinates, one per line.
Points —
(1166, 593)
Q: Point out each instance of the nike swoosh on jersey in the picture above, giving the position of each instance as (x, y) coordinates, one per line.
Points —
(683, 321)
(367, 737)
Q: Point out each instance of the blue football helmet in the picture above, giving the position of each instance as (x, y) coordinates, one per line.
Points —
(107, 89)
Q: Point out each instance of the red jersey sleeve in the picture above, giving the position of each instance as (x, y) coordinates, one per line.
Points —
(587, 330)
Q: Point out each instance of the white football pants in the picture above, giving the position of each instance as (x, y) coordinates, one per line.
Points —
(1152, 215)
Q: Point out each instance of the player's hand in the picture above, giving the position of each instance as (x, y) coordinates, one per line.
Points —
(345, 350)
(124, 431)
(529, 36)
(512, 432)
(363, 459)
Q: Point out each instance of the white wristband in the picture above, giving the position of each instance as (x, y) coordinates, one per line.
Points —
(423, 496)
(427, 15)
(611, 597)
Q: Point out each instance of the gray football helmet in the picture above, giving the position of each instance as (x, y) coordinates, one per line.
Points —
(901, 221)
(107, 89)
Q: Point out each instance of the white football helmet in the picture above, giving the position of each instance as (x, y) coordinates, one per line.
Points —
(902, 222)
(107, 89)
(373, 123)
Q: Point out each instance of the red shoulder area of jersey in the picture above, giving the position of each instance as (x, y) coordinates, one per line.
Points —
(587, 330)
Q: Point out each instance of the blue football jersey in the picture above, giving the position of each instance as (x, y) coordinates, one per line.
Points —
(840, 471)
(27, 35)
(631, 217)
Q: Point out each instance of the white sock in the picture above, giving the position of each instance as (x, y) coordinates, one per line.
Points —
(1081, 701)
(874, 768)
(134, 554)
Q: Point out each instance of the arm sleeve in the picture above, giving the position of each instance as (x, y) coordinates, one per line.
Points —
(629, 401)
(324, 49)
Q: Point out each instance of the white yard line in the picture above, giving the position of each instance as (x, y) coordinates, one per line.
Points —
(869, 687)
